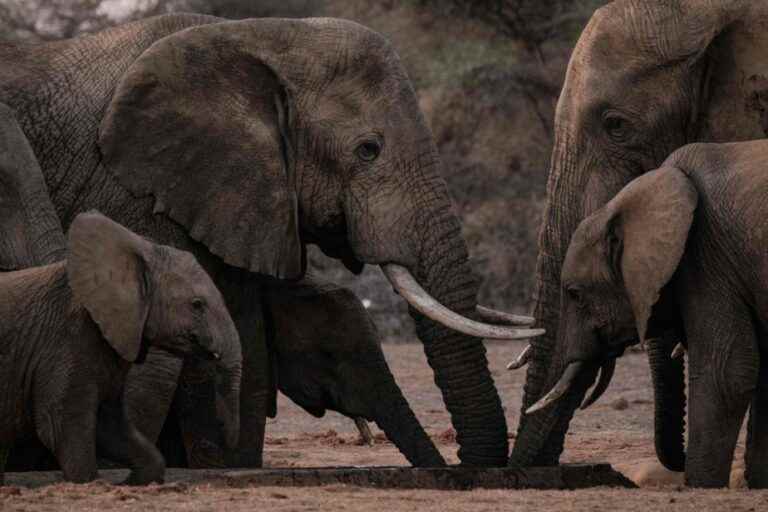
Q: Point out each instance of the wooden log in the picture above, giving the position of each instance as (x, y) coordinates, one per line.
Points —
(568, 476)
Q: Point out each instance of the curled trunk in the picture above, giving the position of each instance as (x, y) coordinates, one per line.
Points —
(668, 376)
(458, 360)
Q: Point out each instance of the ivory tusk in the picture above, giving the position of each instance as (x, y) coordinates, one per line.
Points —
(493, 316)
(521, 359)
(562, 386)
(606, 374)
(678, 351)
(365, 431)
(408, 288)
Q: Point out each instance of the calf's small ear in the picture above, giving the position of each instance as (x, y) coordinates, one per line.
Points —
(108, 274)
(649, 220)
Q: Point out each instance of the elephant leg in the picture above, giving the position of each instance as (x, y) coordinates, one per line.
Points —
(73, 440)
(724, 365)
(258, 393)
(756, 457)
(4, 450)
(195, 410)
(122, 442)
(149, 391)
(258, 388)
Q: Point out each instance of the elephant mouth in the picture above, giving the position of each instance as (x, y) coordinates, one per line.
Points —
(335, 244)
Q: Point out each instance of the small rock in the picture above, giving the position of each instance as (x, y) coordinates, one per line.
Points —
(278, 496)
(10, 491)
(620, 404)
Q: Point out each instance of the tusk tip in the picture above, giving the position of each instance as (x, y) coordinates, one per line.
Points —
(534, 333)
(535, 407)
(678, 351)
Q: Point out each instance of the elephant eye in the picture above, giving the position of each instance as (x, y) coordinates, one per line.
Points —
(368, 151)
(574, 293)
(198, 303)
(616, 126)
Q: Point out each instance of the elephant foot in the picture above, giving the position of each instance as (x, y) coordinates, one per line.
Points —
(145, 476)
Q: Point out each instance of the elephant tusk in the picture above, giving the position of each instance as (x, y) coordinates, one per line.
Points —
(406, 285)
(522, 359)
(366, 436)
(493, 316)
(678, 351)
(562, 386)
(606, 374)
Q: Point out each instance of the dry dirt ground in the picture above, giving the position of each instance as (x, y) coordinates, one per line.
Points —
(617, 430)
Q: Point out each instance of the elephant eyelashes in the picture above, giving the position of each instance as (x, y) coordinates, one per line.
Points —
(616, 126)
(368, 151)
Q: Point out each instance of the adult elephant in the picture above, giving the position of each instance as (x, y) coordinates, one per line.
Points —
(645, 78)
(243, 142)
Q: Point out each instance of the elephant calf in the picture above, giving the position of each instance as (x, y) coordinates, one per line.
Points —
(680, 255)
(72, 329)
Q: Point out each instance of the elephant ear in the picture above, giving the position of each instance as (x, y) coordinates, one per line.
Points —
(648, 227)
(108, 274)
(686, 28)
(200, 122)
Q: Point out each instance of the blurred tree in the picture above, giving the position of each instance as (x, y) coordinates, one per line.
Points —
(532, 22)
(57, 19)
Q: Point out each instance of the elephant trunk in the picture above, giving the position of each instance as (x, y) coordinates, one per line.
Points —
(228, 403)
(540, 436)
(396, 419)
(228, 377)
(458, 360)
(33, 235)
(668, 376)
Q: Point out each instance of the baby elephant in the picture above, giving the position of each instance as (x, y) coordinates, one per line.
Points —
(71, 330)
(681, 254)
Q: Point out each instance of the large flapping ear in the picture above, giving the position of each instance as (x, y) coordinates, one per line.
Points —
(650, 219)
(108, 274)
(199, 122)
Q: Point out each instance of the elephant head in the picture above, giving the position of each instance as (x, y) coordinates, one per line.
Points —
(261, 136)
(139, 294)
(645, 78)
(615, 276)
(328, 356)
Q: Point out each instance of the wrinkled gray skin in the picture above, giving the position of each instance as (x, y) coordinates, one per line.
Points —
(682, 249)
(645, 78)
(30, 231)
(242, 142)
(328, 356)
(73, 328)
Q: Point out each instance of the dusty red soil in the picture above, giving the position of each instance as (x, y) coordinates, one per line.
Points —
(617, 430)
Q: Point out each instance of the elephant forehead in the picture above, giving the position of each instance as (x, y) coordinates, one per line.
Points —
(619, 45)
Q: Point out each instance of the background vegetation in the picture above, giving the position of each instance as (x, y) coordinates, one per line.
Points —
(488, 73)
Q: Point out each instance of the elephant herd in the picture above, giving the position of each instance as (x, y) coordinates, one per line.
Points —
(190, 160)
